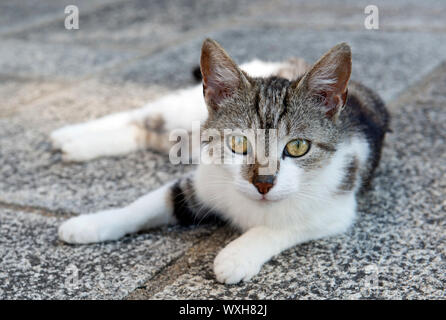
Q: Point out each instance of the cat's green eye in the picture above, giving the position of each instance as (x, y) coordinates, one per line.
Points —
(297, 148)
(238, 144)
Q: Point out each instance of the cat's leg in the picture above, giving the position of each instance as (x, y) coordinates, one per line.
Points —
(243, 258)
(151, 210)
(173, 203)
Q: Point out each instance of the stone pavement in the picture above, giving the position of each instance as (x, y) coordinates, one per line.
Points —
(127, 52)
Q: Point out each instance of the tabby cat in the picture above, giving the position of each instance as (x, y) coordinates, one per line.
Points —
(322, 132)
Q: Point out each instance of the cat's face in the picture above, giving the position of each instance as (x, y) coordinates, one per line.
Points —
(279, 134)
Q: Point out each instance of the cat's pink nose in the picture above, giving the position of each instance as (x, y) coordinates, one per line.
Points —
(264, 183)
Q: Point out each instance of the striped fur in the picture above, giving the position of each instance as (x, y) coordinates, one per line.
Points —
(299, 199)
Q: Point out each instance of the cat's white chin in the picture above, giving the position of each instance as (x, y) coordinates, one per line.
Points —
(268, 201)
(264, 199)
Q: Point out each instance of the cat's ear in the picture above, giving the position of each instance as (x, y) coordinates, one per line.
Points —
(221, 76)
(328, 79)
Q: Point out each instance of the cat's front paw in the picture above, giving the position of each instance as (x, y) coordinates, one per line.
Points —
(233, 265)
(63, 135)
(87, 229)
(79, 230)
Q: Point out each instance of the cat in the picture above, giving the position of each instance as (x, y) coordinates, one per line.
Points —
(329, 134)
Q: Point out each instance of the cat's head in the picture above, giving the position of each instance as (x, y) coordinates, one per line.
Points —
(298, 117)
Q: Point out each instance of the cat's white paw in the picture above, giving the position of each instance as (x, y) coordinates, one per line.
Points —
(87, 229)
(233, 265)
(91, 145)
(79, 230)
(64, 135)
(79, 150)
(111, 135)
(74, 142)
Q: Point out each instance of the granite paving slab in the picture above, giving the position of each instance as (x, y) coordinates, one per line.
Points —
(128, 52)
(55, 61)
(15, 92)
(17, 15)
(395, 250)
(34, 264)
(385, 61)
(72, 102)
(138, 24)
(398, 15)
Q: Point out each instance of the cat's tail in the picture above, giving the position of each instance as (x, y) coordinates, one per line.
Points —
(196, 73)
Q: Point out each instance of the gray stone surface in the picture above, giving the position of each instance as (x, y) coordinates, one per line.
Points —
(55, 61)
(386, 62)
(36, 265)
(18, 15)
(138, 25)
(16, 92)
(397, 247)
(393, 15)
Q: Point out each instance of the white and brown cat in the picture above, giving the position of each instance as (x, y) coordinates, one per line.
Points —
(328, 137)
